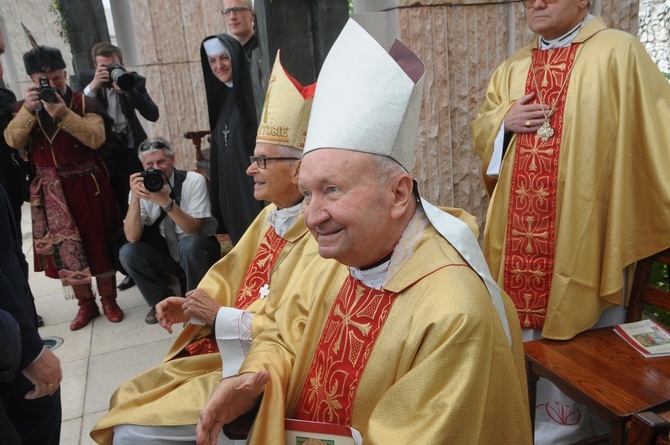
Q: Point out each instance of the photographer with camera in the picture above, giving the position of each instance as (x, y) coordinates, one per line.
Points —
(169, 225)
(123, 94)
(73, 208)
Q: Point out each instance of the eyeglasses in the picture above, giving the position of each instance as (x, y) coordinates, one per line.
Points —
(262, 161)
(152, 144)
(235, 9)
(529, 3)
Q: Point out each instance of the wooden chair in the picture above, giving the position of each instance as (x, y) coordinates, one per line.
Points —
(650, 428)
(202, 166)
(201, 154)
(600, 370)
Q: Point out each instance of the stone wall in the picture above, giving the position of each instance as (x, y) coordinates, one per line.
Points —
(654, 31)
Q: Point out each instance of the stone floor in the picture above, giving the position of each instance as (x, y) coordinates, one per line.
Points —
(97, 358)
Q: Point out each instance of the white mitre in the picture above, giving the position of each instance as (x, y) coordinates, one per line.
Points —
(369, 100)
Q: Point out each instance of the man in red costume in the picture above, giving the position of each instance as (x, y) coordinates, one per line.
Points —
(72, 204)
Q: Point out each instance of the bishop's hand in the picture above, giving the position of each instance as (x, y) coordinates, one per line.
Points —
(233, 397)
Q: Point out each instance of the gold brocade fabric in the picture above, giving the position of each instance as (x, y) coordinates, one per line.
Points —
(174, 392)
(441, 370)
(613, 195)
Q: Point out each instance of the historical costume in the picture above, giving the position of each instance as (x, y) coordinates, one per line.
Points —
(421, 348)
(610, 199)
(232, 119)
(249, 279)
(73, 208)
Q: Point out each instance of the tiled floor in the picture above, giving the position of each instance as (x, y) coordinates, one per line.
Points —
(97, 358)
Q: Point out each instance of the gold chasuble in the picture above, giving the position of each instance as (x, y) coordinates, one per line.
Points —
(610, 186)
(401, 364)
(355, 321)
(174, 392)
(529, 249)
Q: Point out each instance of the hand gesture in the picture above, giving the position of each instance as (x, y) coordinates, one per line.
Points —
(231, 398)
(32, 100)
(200, 305)
(525, 117)
(169, 311)
(45, 373)
(100, 78)
(56, 109)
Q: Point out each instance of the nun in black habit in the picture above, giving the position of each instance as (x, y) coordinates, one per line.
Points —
(232, 119)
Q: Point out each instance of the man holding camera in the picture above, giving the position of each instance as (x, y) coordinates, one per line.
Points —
(169, 225)
(122, 93)
(72, 203)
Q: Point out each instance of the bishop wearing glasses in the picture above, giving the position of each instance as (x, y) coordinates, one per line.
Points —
(164, 402)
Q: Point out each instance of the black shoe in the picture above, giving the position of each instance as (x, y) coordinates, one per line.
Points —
(127, 283)
(151, 316)
(40, 321)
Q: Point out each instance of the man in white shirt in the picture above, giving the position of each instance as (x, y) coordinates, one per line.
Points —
(169, 225)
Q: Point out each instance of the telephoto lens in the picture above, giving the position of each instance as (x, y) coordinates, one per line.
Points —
(120, 76)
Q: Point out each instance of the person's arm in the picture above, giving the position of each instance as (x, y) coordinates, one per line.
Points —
(139, 99)
(17, 133)
(133, 225)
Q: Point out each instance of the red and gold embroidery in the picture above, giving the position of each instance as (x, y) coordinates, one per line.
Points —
(260, 270)
(257, 276)
(353, 326)
(529, 248)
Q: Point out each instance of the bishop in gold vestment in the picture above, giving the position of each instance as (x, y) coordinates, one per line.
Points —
(248, 280)
(612, 203)
(416, 343)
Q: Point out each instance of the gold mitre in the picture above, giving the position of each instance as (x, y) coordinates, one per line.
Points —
(286, 111)
(367, 99)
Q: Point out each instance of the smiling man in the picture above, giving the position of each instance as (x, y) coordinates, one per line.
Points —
(572, 134)
(165, 401)
(415, 344)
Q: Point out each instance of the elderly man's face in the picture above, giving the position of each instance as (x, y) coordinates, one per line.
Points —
(346, 209)
(552, 20)
(240, 23)
(278, 181)
(222, 67)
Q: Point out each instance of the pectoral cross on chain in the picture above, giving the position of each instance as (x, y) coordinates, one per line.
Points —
(265, 290)
(225, 135)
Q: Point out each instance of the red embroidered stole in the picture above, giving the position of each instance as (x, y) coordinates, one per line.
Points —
(257, 275)
(349, 335)
(260, 270)
(529, 245)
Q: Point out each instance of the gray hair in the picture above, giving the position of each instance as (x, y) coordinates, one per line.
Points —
(289, 152)
(152, 145)
(387, 168)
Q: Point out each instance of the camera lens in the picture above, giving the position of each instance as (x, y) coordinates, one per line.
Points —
(48, 95)
(124, 80)
(153, 180)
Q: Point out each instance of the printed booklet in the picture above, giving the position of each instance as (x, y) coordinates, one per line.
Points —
(304, 432)
(647, 337)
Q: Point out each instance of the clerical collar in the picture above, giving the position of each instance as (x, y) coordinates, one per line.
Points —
(564, 40)
(379, 275)
(283, 219)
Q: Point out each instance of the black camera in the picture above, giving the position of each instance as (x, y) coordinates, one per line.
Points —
(47, 92)
(153, 179)
(123, 78)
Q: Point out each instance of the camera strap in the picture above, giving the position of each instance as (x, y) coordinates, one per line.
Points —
(179, 178)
